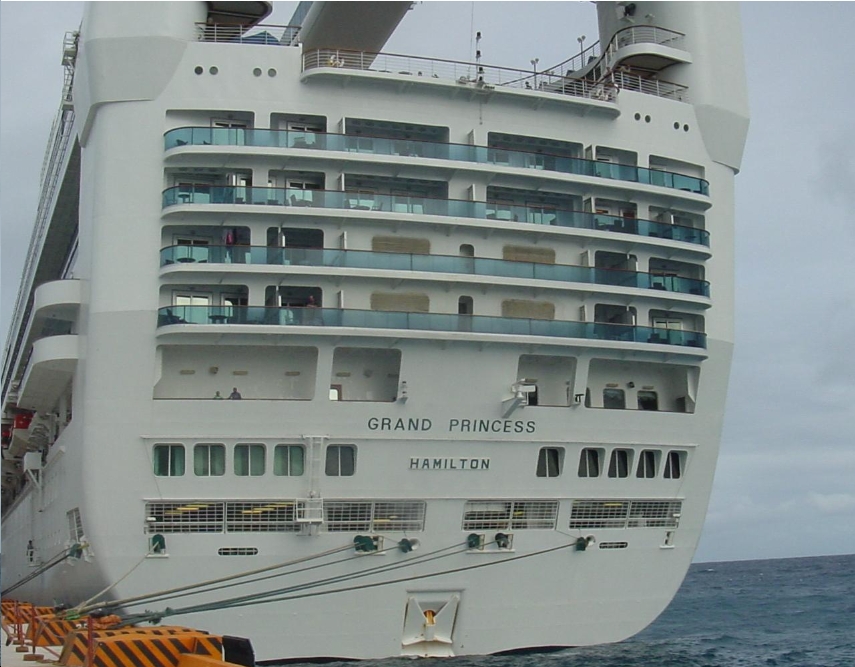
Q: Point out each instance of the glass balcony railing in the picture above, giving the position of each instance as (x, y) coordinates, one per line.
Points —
(373, 319)
(361, 201)
(222, 136)
(476, 266)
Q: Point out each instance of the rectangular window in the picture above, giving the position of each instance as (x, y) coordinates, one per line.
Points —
(667, 323)
(647, 464)
(249, 460)
(341, 460)
(288, 460)
(619, 463)
(169, 460)
(550, 461)
(614, 399)
(209, 460)
(589, 462)
(648, 400)
(674, 465)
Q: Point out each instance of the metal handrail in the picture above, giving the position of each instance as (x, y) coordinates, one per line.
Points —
(544, 160)
(265, 34)
(422, 321)
(418, 262)
(354, 200)
(485, 77)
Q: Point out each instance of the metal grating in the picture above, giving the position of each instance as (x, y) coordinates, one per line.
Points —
(510, 514)
(655, 514)
(625, 513)
(184, 517)
(599, 514)
(376, 516)
(399, 515)
(343, 517)
(237, 551)
(262, 517)
(75, 525)
(267, 516)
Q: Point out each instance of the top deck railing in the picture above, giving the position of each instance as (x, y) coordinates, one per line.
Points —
(489, 77)
(272, 35)
(485, 77)
(645, 34)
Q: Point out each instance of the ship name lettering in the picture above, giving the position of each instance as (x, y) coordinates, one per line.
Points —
(491, 426)
(417, 463)
(389, 424)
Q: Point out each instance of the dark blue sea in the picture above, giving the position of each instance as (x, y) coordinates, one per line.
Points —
(793, 612)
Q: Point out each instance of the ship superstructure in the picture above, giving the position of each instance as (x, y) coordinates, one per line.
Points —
(459, 335)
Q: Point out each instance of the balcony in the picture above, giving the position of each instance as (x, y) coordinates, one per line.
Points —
(372, 319)
(208, 136)
(58, 299)
(50, 368)
(646, 47)
(202, 194)
(474, 266)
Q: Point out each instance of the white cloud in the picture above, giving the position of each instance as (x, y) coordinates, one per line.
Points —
(832, 503)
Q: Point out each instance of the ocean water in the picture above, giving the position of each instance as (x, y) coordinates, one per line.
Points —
(794, 612)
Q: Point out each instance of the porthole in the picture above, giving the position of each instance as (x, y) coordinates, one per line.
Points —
(213, 70)
(271, 72)
(685, 128)
(676, 126)
(638, 116)
(198, 69)
(647, 119)
(256, 71)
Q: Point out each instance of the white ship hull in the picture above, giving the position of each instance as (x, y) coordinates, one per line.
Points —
(484, 447)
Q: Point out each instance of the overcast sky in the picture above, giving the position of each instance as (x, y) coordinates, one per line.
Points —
(785, 484)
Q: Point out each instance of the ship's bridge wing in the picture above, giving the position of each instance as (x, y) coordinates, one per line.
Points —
(352, 26)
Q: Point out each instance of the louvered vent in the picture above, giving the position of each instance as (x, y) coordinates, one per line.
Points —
(408, 303)
(401, 245)
(534, 310)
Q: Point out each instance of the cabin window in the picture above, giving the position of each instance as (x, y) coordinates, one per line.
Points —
(589, 462)
(249, 460)
(550, 461)
(614, 399)
(209, 460)
(647, 464)
(674, 464)
(341, 460)
(288, 460)
(619, 463)
(648, 400)
(169, 460)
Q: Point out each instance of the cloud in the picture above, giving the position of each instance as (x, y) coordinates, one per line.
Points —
(832, 503)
